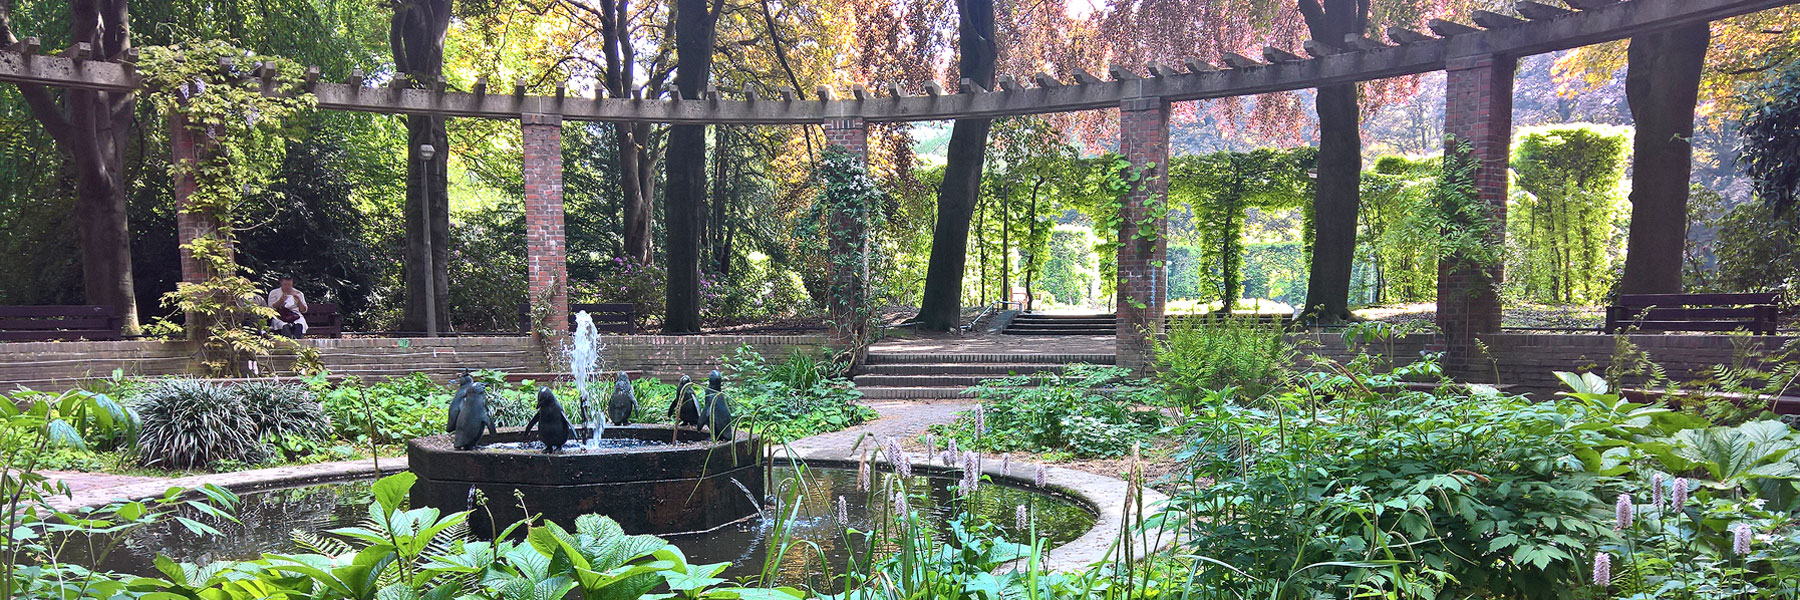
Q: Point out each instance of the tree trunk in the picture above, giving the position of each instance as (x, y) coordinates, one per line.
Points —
(1335, 202)
(416, 39)
(635, 161)
(1336, 194)
(90, 129)
(684, 205)
(941, 307)
(1662, 80)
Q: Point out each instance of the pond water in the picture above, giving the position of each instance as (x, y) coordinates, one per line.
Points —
(268, 521)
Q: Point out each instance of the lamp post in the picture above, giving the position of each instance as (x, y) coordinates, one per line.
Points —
(426, 152)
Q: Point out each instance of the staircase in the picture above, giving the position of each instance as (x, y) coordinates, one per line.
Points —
(1056, 324)
(897, 376)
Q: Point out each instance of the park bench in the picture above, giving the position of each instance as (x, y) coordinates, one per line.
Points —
(60, 322)
(323, 319)
(608, 318)
(1755, 313)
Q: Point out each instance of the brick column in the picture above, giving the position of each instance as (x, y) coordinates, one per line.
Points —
(848, 237)
(546, 263)
(1143, 267)
(183, 147)
(1478, 116)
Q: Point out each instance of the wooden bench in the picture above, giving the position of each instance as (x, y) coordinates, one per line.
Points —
(60, 322)
(323, 319)
(1755, 313)
(608, 318)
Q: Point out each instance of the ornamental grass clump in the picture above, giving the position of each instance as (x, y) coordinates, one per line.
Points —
(189, 423)
(283, 409)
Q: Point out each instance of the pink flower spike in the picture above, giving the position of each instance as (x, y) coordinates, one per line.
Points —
(1622, 513)
(1602, 569)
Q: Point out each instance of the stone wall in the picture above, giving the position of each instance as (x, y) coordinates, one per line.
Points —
(1526, 361)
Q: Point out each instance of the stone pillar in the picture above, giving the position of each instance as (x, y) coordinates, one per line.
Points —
(546, 263)
(183, 147)
(1477, 118)
(848, 238)
(1143, 281)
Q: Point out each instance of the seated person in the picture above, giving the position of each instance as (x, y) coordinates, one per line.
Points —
(290, 309)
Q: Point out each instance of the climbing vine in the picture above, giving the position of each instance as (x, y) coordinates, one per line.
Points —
(850, 203)
(1465, 222)
(235, 106)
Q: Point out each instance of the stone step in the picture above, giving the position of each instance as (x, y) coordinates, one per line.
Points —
(1056, 317)
(1107, 324)
(913, 393)
(990, 369)
(949, 382)
(1061, 331)
(945, 358)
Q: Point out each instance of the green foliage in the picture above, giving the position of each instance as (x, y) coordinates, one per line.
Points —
(625, 281)
(283, 409)
(1474, 495)
(1566, 222)
(849, 214)
(190, 423)
(1246, 355)
(1085, 411)
(1397, 231)
(798, 397)
(1219, 187)
(1465, 224)
(401, 552)
(1769, 146)
(1753, 248)
(239, 135)
(1070, 272)
(397, 409)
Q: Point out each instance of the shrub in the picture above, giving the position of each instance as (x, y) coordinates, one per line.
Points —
(800, 396)
(1087, 410)
(1214, 352)
(283, 409)
(188, 423)
(396, 410)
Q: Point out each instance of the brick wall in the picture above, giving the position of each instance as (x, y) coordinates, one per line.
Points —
(1478, 112)
(1143, 269)
(1526, 361)
(546, 263)
(669, 357)
(58, 366)
(849, 133)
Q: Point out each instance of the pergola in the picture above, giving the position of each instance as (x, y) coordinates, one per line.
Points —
(1479, 61)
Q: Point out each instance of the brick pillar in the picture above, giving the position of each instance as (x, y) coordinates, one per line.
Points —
(1143, 267)
(183, 147)
(546, 263)
(1478, 113)
(848, 288)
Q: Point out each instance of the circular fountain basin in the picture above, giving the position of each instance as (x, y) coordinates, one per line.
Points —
(653, 479)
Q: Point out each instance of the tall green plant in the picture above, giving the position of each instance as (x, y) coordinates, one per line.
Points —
(235, 106)
(1566, 220)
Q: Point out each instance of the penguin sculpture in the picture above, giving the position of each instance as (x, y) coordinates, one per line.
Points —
(623, 403)
(463, 383)
(717, 416)
(685, 403)
(553, 425)
(472, 418)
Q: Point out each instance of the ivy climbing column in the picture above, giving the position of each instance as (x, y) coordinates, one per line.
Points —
(1478, 135)
(188, 224)
(849, 241)
(1143, 250)
(546, 263)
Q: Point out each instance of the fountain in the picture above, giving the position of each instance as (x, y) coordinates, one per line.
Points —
(655, 479)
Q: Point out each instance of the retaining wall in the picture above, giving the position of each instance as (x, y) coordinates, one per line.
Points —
(1526, 360)
(62, 365)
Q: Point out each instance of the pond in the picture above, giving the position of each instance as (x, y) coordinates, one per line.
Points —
(269, 521)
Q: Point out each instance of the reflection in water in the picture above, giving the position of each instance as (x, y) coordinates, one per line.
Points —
(267, 521)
